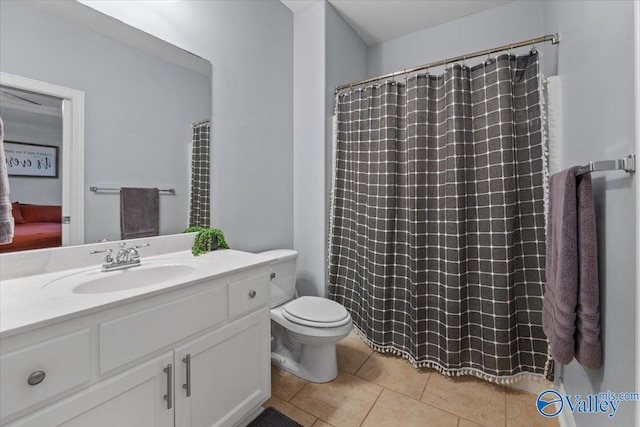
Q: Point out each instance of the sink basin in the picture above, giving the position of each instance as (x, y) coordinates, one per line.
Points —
(98, 282)
(136, 277)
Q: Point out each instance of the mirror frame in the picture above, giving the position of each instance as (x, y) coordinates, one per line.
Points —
(72, 166)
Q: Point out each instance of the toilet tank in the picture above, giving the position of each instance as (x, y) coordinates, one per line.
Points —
(283, 285)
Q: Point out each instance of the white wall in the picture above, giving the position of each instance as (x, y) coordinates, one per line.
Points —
(596, 65)
(515, 21)
(309, 52)
(346, 61)
(33, 128)
(138, 110)
(250, 44)
(327, 52)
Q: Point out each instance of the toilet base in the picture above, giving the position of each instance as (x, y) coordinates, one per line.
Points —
(317, 363)
(307, 352)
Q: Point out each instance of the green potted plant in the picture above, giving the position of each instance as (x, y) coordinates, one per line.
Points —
(207, 240)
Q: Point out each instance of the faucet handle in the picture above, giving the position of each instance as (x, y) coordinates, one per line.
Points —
(108, 258)
(134, 250)
(107, 251)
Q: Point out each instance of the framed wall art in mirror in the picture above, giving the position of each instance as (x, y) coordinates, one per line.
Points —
(32, 160)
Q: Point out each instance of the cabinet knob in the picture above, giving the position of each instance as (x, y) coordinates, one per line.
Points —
(36, 378)
(252, 294)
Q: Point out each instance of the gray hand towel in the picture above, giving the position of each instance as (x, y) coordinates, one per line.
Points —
(139, 212)
(6, 218)
(571, 301)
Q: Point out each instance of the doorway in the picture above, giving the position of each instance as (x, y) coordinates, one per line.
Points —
(62, 161)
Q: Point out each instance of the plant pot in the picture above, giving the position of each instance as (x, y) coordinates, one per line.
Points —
(214, 243)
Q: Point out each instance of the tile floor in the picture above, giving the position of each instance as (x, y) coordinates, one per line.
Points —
(374, 389)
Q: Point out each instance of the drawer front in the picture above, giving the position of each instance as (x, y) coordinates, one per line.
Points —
(65, 362)
(248, 294)
(128, 338)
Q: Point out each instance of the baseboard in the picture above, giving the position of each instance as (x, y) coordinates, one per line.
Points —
(249, 417)
(531, 386)
(565, 418)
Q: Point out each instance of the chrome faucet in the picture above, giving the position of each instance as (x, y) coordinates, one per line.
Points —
(126, 257)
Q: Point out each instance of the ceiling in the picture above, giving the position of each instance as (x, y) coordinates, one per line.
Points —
(376, 21)
(21, 100)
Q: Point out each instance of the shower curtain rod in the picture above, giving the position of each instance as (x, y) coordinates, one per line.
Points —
(553, 38)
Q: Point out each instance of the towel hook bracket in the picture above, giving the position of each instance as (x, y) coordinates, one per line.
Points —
(627, 164)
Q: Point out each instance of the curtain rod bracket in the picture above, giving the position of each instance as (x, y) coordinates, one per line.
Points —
(556, 38)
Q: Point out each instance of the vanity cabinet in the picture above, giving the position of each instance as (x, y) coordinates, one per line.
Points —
(197, 356)
(222, 375)
(43, 370)
(132, 398)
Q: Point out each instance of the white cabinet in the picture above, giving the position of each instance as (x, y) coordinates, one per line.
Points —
(43, 370)
(221, 376)
(128, 338)
(134, 398)
(111, 368)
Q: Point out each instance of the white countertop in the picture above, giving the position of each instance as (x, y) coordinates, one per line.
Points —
(33, 301)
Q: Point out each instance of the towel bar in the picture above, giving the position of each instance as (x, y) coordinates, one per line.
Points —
(627, 164)
(95, 189)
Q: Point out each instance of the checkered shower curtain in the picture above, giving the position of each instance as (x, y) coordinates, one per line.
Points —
(200, 197)
(437, 239)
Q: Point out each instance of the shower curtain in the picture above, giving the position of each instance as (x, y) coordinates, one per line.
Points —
(437, 233)
(200, 196)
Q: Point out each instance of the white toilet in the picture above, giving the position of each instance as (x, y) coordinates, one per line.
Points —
(304, 330)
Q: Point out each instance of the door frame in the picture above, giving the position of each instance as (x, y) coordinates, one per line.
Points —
(72, 151)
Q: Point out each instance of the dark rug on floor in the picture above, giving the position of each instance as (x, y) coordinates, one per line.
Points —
(271, 417)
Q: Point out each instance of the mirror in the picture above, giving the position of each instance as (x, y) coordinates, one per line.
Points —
(141, 97)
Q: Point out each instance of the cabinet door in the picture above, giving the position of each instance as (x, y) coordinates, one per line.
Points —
(230, 373)
(134, 398)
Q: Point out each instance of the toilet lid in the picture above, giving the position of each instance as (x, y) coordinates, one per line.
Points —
(316, 311)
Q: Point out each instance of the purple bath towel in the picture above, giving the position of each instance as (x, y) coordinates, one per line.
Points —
(571, 314)
(588, 344)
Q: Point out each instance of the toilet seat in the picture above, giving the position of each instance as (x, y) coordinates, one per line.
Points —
(316, 312)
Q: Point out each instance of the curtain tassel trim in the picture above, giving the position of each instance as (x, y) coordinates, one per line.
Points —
(544, 116)
(501, 380)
